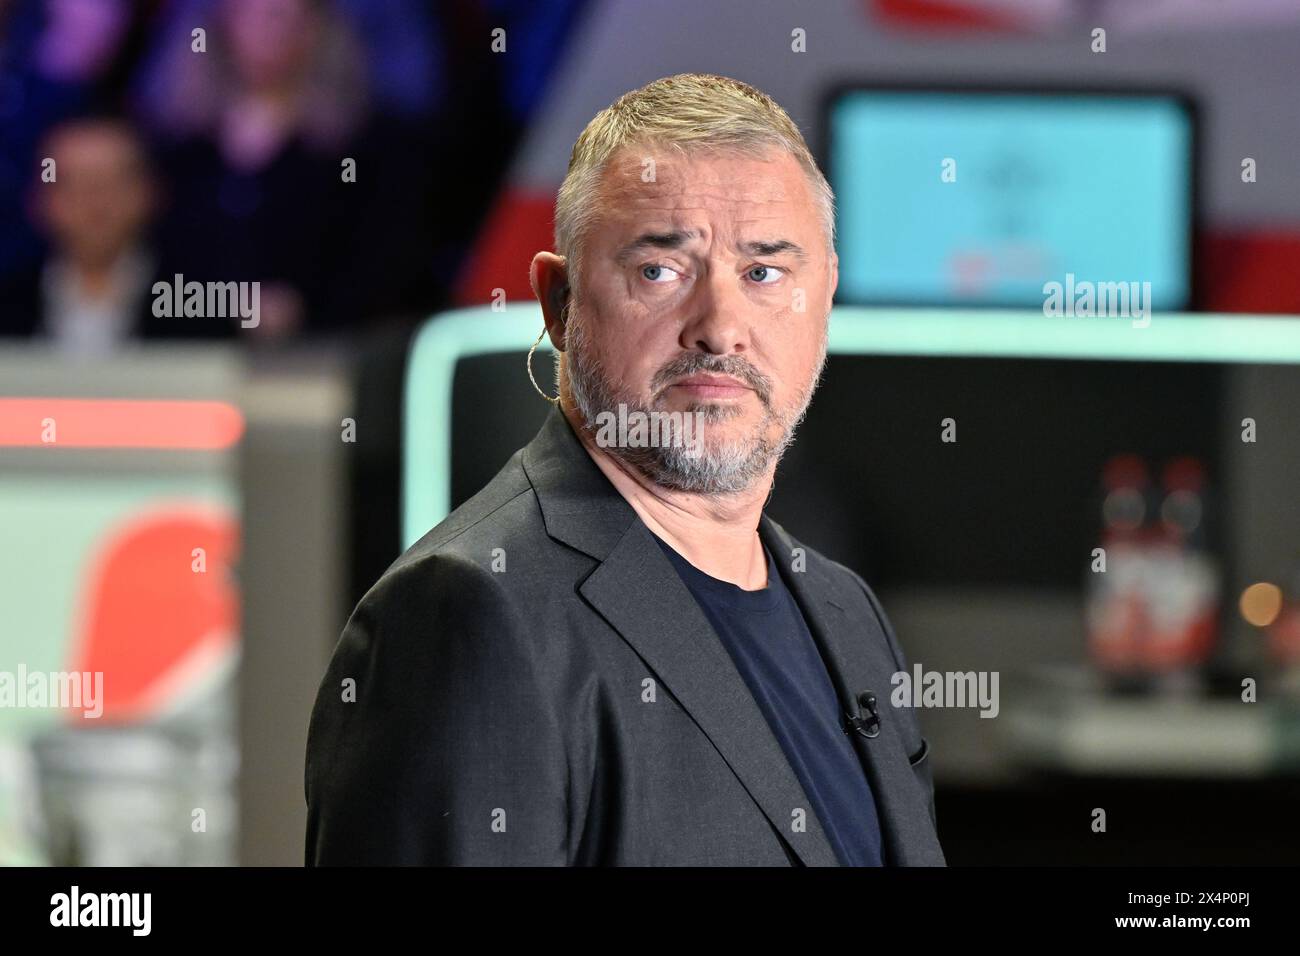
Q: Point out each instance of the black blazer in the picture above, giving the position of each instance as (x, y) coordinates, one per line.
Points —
(573, 706)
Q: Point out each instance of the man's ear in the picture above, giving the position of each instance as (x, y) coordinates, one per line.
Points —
(563, 295)
(550, 281)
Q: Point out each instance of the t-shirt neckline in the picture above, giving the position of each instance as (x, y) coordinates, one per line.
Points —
(724, 592)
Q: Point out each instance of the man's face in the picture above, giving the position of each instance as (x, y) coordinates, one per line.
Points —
(101, 200)
(705, 290)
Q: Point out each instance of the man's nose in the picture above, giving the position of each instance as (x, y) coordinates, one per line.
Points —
(717, 320)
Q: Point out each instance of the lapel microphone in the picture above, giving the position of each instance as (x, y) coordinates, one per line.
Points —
(868, 725)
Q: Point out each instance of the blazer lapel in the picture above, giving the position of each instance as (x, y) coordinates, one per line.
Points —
(858, 658)
(636, 589)
(639, 592)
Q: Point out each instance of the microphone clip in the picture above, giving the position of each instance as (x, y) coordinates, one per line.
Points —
(867, 725)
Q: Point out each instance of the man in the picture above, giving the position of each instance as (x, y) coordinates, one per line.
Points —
(92, 293)
(94, 202)
(610, 655)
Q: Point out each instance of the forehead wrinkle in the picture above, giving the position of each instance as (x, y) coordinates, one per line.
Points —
(700, 179)
(683, 202)
(697, 175)
(677, 215)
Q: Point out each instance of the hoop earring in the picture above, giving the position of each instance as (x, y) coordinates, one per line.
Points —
(554, 400)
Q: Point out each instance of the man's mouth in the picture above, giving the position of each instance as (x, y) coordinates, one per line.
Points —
(712, 386)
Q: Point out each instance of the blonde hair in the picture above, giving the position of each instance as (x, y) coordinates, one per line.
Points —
(684, 112)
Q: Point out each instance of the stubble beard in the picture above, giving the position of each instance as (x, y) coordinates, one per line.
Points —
(722, 466)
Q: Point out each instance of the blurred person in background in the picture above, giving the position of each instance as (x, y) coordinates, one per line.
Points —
(93, 291)
(59, 59)
(253, 135)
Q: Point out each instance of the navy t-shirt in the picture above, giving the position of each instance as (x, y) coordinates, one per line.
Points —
(766, 635)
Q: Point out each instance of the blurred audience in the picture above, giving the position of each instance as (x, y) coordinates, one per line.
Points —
(342, 153)
(253, 133)
(94, 204)
(58, 59)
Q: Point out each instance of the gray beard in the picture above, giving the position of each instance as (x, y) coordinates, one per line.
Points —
(731, 467)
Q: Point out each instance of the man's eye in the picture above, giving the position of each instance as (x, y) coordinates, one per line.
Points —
(657, 273)
(765, 275)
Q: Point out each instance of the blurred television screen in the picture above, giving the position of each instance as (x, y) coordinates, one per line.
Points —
(980, 197)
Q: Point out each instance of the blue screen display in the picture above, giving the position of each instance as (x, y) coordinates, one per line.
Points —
(982, 198)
